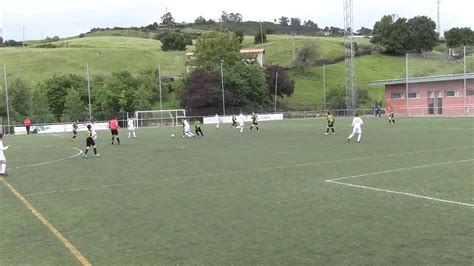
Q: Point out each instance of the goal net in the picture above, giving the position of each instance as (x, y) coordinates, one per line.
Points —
(159, 118)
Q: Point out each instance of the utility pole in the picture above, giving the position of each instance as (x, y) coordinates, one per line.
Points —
(159, 84)
(89, 90)
(276, 90)
(222, 87)
(324, 86)
(261, 32)
(6, 95)
(465, 85)
(293, 43)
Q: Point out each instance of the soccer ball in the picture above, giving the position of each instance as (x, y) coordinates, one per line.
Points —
(172, 135)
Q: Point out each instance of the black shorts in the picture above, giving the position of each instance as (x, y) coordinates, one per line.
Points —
(114, 132)
(255, 123)
(331, 124)
(90, 142)
(74, 132)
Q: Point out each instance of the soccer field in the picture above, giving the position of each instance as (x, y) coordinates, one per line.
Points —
(285, 195)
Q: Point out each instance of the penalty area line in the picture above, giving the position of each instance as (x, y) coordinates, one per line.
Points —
(72, 249)
(335, 181)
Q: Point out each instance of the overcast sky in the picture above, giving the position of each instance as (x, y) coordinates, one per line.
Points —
(71, 17)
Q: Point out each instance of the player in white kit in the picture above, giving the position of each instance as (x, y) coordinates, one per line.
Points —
(131, 127)
(3, 160)
(187, 129)
(356, 128)
(240, 120)
(218, 120)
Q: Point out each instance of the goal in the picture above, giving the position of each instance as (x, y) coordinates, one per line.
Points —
(159, 118)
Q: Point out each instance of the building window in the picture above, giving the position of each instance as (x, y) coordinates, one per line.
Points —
(452, 93)
(398, 95)
(470, 92)
(412, 95)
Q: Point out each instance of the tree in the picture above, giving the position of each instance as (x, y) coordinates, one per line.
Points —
(200, 20)
(258, 37)
(39, 106)
(392, 33)
(1, 41)
(20, 97)
(283, 21)
(336, 97)
(174, 41)
(57, 88)
(422, 32)
(364, 31)
(212, 47)
(295, 23)
(457, 37)
(74, 107)
(167, 19)
(246, 85)
(400, 35)
(240, 35)
(202, 90)
(310, 24)
(285, 86)
(231, 18)
(307, 55)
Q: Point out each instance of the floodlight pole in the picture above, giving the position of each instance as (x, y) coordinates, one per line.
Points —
(465, 85)
(324, 86)
(222, 86)
(89, 90)
(159, 84)
(261, 32)
(276, 90)
(293, 44)
(406, 83)
(6, 95)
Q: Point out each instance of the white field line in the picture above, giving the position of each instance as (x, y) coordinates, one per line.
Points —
(401, 192)
(249, 170)
(400, 169)
(50, 162)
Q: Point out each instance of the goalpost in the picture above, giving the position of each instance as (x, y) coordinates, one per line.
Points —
(159, 118)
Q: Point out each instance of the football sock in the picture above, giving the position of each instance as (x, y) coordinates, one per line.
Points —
(95, 150)
(358, 137)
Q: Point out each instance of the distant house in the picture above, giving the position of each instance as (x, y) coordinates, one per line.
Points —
(249, 55)
(425, 96)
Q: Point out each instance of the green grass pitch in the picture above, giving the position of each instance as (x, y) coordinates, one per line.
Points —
(286, 195)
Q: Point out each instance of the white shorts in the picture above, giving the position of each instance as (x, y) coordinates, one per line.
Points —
(2, 157)
(357, 130)
(131, 128)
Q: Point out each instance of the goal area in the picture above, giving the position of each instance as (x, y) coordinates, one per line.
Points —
(160, 118)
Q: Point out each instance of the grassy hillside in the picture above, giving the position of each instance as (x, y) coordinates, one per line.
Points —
(106, 54)
(103, 54)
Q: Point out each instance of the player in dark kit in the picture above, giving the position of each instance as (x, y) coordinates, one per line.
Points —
(331, 120)
(254, 121)
(74, 130)
(90, 141)
(234, 121)
(391, 119)
(197, 128)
